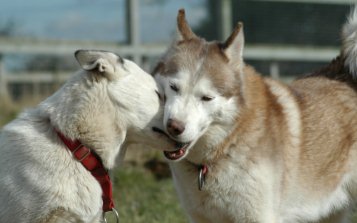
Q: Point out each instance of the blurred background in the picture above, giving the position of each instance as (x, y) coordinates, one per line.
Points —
(284, 39)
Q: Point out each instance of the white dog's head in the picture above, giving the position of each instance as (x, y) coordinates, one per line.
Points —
(200, 82)
(111, 103)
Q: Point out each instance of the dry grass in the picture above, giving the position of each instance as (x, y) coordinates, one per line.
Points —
(10, 109)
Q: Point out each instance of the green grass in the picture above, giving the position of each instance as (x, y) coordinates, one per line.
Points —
(140, 197)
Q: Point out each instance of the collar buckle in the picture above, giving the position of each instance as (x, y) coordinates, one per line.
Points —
(83, 152)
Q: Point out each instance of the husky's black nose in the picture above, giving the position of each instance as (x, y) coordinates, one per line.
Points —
(175, 127)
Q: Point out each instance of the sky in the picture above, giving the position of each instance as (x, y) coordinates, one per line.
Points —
(98, 20)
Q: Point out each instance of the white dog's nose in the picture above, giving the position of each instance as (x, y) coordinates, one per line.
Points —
(175, 127)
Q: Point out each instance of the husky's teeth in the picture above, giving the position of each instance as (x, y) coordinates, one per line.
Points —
(175, 154)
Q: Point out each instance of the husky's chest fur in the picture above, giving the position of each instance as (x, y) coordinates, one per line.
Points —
(231, 193)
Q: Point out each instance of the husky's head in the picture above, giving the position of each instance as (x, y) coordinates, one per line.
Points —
(200, 82)
(112, 102)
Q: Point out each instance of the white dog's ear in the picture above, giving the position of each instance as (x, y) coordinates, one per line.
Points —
(184, 31)
(233, 46)
(103, 62)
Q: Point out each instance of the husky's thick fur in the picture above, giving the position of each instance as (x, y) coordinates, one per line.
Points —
(274, 152)
(108, 105)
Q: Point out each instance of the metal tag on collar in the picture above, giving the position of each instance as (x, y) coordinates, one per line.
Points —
(202, 176)
(116, 214)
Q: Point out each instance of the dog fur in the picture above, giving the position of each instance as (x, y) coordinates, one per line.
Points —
(275, 152)
(110, 104)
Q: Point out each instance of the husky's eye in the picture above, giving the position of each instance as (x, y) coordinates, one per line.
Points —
(174, 87)
(207, 98)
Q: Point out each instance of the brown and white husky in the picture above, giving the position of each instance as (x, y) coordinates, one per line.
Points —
(263, 151)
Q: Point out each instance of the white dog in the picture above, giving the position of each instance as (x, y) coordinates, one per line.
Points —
(108, 105)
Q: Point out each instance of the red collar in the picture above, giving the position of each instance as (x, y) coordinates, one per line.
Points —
(94, 165)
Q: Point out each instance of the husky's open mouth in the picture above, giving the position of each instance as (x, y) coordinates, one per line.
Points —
(178, 153)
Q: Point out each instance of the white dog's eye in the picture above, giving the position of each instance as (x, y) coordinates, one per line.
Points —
(158, 94)
(174, 87)
(207, 98)
(162, 98)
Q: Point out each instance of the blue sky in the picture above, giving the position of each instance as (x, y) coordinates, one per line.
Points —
(102, 20)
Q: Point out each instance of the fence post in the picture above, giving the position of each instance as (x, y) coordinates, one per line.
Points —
(274, 70)
(133, 27)
(225, 24)
(3, 81)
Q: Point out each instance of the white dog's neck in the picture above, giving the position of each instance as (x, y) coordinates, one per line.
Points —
(71, 114)
(102, 113)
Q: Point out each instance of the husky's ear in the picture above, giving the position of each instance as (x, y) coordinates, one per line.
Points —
(102, 62)
(184, 31)
(233, 46)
